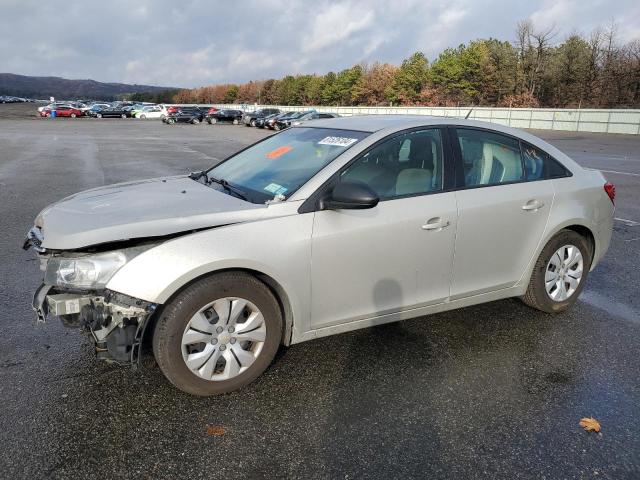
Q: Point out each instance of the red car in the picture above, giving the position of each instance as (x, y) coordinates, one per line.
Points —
(173, 109)
(62, 112)
(212, 110)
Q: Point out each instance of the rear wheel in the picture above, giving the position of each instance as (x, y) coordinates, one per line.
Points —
(195, 121)
(98, 115)
(560, 273)
(218, 335)
(73, 115)
(170, 121)
(213, 120)
(124, 115)
(253, 123)
(276, 127)
(143, 116)
(236, 121)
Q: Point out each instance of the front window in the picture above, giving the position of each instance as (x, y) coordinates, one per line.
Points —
(281, 164)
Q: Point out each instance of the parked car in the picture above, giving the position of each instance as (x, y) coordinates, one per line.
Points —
(271, 120)
(225, 265)
(224, 116)
(285, 122)
(192, 115)
(52, 105)
(62, 111)
(107, 112)
(262, 121)
(150, 111)
(250, 118)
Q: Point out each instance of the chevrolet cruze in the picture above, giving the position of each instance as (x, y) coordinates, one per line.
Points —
(326, 227)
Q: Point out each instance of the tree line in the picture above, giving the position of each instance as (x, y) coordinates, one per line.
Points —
(593, 71)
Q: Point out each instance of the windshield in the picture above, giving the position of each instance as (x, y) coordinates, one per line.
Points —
(281, 164)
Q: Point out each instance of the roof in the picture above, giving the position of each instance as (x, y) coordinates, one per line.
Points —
(374, 123)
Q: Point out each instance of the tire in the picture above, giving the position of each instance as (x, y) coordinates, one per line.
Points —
(195, 121)
(73, 115)
(170, 121)
(213, 121)
(176, 317)
(98, 115)
(276, 127)
(143, 117)
(537, 295)
(124, 115)
(253, 123)
(236, 121)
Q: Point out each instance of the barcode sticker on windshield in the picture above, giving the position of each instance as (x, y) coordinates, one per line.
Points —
(337, 141)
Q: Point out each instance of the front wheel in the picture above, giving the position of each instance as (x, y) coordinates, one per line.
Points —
(253, 123)
(98, 115)
(560, 273)
(236, 121)
(195, 121)
(218, 335)
(73, 115)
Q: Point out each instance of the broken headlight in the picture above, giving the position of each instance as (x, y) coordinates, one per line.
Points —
(91, 271)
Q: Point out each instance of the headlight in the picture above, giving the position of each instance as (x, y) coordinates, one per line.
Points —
(91, 271)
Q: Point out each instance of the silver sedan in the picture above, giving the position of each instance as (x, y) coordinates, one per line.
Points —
(327, 227)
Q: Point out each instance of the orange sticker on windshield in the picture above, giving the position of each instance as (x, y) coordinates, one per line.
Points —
(278, 152)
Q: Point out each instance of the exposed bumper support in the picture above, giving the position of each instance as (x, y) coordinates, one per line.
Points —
(114, 321)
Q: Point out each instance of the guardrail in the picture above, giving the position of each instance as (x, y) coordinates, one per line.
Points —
(576, 120)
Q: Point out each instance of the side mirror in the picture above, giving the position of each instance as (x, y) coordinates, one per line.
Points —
(352, 196)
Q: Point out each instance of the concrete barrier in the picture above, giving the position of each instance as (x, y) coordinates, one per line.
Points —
(575, 120)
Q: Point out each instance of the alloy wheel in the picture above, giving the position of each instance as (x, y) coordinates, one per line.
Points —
(563, 273)
(223, 339)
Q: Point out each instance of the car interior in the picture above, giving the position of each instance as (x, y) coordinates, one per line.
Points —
(405, 165)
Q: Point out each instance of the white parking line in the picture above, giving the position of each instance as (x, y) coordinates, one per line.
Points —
(620, 173)
(629, 223)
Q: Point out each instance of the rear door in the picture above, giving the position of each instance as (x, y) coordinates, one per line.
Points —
(502, 216)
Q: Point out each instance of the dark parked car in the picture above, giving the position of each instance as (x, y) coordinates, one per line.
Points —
(301, 117)
(261, 122)
(109, 112)
(224, 116)
(191, 115)
(250, 118)
(270, 121)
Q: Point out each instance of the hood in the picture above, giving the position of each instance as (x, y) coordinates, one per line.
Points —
(149, 208)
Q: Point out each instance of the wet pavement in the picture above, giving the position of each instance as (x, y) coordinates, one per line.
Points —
(495, 390)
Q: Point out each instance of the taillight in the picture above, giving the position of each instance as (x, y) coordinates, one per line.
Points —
(610, 188)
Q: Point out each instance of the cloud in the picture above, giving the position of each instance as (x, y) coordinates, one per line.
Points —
(200, 42)
(337, 24)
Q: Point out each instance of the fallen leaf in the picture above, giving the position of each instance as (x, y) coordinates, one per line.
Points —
(216, 430)
(590, 424)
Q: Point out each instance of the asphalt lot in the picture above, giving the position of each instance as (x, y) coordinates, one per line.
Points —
(495, 390)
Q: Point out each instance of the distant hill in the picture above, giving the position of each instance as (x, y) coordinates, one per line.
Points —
(45, 87)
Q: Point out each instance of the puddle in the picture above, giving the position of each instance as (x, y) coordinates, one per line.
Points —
(610, 306)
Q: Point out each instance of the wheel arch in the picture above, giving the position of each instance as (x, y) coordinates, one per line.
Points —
(576, 225)
(272, 284)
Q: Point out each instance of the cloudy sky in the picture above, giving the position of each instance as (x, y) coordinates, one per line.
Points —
(199, 42)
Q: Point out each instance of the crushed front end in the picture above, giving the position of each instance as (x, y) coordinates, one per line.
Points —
(74, 291)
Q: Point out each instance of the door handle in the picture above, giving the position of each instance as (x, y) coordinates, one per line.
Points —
(533, 205)
(435, 223)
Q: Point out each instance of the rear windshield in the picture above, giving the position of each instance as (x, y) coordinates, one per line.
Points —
(281, 164)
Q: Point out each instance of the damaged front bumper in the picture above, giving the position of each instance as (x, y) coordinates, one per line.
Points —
(115, 322)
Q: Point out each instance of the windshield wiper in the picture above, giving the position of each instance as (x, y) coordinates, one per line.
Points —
(228, 187)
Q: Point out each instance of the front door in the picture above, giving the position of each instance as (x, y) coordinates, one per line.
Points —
(397, 255)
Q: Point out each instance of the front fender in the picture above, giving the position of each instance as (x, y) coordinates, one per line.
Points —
(277, 247)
